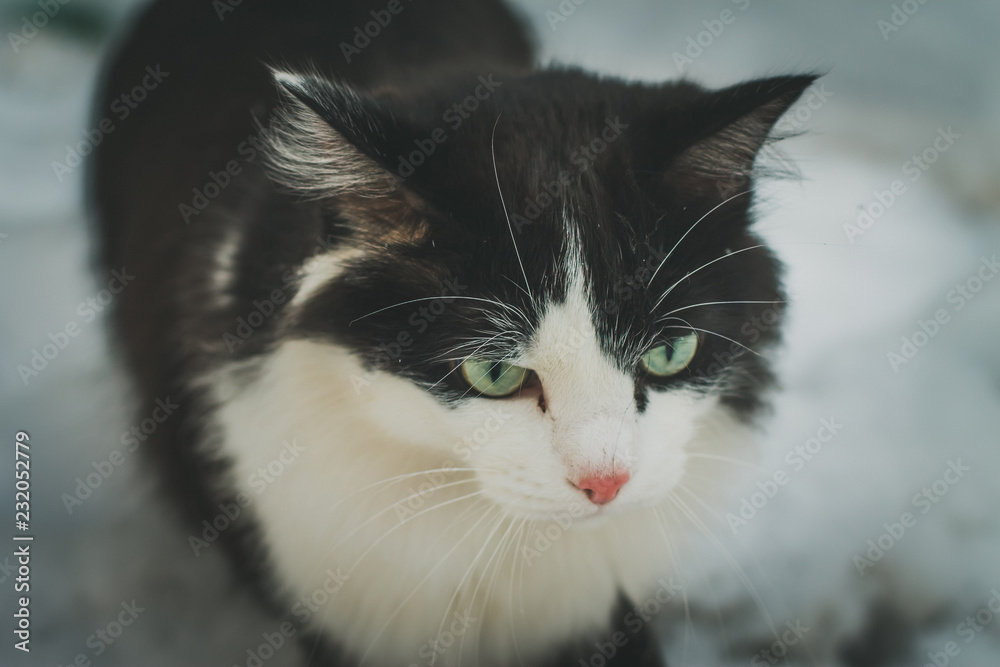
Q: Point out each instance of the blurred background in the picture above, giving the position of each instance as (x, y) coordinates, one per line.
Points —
(890, 370)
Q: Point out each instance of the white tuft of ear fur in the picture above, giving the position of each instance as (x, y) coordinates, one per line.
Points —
(288, 79)
(305, 154)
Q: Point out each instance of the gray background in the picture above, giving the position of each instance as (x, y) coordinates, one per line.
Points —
(887, 98)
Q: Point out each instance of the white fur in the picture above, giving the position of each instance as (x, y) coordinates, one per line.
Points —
(224, 272)
(320, 270)
(307, 155)
(551, 562)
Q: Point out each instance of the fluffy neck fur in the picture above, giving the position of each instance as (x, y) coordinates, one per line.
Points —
(391, 509)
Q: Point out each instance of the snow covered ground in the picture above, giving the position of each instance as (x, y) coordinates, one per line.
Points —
(902, 451)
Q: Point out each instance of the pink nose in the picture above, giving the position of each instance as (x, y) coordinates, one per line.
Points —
(602, 489)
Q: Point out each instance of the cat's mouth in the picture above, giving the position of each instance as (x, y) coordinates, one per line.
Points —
(579, 509)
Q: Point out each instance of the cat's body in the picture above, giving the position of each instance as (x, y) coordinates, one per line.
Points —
(308, 289)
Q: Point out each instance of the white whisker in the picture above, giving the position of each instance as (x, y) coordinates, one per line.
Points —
(434, 298)
(744, 579)
(423, 581)
(504, 204)
(388, 481)
(734, 342)
(510, 589)
(706, 264)
(461, 582)
(739, 194)
(409, 518)
(489, 589)
(715, 303)
(727, 459)
(499, 550)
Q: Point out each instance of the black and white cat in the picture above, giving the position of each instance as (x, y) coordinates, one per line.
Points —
(459, 345)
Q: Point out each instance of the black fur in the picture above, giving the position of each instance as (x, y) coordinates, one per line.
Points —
(673, 153)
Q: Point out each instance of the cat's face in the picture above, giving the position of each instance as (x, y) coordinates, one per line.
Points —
(556, 289)
(592, 434)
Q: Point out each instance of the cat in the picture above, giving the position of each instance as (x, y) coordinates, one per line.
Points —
(452, 337)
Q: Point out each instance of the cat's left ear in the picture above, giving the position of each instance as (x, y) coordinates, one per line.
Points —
(726, 131)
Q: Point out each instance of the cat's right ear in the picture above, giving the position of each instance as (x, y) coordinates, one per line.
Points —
(724, 131)
(329, 140)
(325, 139)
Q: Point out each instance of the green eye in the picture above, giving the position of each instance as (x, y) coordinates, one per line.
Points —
(493, 378)
(671, 358)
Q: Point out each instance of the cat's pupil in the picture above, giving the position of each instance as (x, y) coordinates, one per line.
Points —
(495, 371)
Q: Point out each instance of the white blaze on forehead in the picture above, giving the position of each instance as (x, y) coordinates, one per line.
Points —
(589, 399)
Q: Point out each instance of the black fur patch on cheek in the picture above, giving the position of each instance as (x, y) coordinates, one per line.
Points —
(411, 318)
(641, 398)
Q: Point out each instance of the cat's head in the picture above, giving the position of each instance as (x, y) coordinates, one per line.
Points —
(549, 279)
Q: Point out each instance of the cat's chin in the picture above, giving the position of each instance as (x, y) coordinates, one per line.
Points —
(582, 514)
(615, 512)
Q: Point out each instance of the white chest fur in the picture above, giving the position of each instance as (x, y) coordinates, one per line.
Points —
(422, 557)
